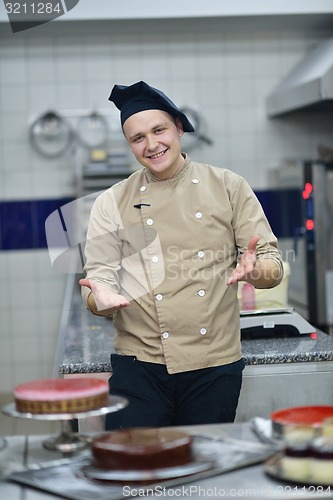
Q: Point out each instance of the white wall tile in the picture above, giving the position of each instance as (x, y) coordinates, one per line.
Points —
(50, 292)
(13, 98)
(24, 372)
(42, 98)
(24, 320)
(240, 92)
(266, 56)
(70, 95)
(180, 90)
(26, 349)
(12, 68)
(53, 184)
(16, 158)
(41, 60)
(17, 185)
(7, 371)
(14, 129)
(6, 320)
(69, 59)
(97, 93)
(42, 265)
(21, 265)
(22, 296)
(96, 65)
(241, 121)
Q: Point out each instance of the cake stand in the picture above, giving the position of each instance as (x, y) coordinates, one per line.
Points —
(68, 441)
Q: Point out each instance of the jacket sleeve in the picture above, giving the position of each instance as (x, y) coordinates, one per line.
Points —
(249, 219)
(103, 245)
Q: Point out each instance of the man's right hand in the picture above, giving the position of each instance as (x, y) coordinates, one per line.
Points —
(102, 300)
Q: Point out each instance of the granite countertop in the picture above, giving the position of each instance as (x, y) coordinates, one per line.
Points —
(87, 342)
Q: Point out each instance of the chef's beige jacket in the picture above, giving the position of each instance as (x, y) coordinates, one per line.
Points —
(169, 246)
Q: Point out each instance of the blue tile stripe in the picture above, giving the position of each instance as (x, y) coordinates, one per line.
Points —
(283, 209)
(22, 222)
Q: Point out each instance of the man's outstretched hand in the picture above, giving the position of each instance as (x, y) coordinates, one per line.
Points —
(247, 262)
(104, 299)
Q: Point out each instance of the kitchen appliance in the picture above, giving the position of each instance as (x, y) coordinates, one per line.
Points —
(303, 212)
(268, 321)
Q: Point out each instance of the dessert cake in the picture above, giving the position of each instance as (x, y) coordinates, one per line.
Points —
(68, 395)
(297, 451)
(141, 449)
(308, 454)
(321, 464)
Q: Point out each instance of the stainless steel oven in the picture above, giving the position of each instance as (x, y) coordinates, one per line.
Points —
(306, 238)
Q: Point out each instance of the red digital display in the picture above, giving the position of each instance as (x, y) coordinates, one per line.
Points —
(309, 224)
(308, 187)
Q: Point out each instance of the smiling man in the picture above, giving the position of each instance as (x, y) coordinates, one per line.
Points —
(164, 253)
(154, 139)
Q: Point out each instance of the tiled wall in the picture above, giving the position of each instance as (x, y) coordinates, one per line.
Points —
(224, 75)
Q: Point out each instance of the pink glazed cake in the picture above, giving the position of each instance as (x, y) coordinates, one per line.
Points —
(68, 395)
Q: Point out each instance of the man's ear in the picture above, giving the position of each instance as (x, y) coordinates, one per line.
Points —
(179, 126)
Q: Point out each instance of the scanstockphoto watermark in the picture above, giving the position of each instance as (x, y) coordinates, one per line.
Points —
(262, 491)
(24, 15)
(188, 491)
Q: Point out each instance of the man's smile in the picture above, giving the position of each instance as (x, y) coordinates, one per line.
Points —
(157, 155)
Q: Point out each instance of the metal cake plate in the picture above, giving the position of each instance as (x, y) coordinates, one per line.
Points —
(68, 441)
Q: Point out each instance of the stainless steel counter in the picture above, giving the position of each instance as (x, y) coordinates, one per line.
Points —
(250, 481)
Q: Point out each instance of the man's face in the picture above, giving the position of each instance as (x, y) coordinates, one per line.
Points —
(154, 138)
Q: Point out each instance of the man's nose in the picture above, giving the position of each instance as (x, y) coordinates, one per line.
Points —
(151, 142)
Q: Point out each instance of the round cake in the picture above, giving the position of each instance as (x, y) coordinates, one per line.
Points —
(68, 395)
(297, 451)
(321, 464)
(141, 449)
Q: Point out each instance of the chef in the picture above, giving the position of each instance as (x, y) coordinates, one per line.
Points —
(164, 253)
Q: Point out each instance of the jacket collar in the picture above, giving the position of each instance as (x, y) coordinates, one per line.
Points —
(180, 172)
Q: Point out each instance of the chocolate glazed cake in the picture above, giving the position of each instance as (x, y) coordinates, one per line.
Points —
(142, 449)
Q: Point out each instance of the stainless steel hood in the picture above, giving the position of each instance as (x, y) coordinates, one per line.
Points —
(308, 85)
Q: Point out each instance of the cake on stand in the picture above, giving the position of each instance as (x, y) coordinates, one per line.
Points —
(68, 441)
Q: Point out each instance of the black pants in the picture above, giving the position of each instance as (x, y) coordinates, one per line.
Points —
(158, 399)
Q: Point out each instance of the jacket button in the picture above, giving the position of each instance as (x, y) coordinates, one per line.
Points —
(143, 188)
(195, 181)
(165, 335)
(150, 222)
(201, 293)
(203, 331)
(198, 215)
(201, 253)
(159, 296)
(154, 259)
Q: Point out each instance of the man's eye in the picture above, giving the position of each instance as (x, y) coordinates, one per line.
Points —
(159, 130)
(138, 138)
